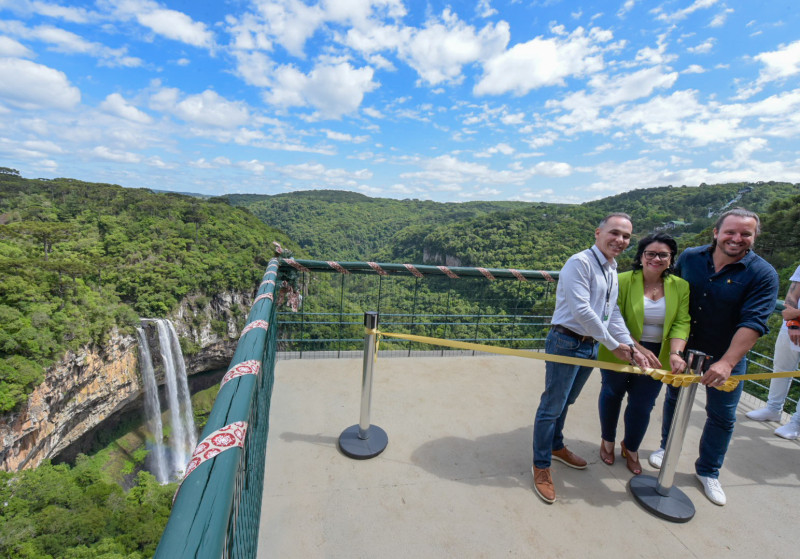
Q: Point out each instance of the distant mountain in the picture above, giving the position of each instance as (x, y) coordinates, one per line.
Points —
(342, 225)
(338, 225)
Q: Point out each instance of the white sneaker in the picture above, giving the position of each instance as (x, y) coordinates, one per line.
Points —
(789, 431)
(713, 489)
(764, 414)
(656, 458)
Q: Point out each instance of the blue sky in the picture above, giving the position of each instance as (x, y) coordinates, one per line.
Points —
(543, 100)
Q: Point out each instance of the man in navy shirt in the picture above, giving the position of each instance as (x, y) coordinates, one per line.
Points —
(733, 293)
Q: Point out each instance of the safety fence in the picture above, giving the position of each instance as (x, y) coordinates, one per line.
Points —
(498, 306)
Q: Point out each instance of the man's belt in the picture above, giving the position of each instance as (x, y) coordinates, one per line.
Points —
(566, 331)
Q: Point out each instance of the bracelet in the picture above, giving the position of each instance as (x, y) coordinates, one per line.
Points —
(678, 353)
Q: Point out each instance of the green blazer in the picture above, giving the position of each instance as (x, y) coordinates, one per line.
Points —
(631, 306)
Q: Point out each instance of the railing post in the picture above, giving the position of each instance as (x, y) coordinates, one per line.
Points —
(363, 440)
(658, 495)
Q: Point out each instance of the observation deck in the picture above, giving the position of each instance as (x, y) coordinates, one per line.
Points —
(455, 478)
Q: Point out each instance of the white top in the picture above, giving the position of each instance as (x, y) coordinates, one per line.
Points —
(655, 312)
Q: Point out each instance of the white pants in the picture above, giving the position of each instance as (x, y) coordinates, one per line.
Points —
(785, 359)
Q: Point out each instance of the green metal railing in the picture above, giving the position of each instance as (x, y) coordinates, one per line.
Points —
(218, 506)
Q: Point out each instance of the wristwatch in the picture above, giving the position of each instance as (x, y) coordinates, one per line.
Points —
(678, 353)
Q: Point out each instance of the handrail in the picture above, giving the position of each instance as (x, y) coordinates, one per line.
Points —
(409, 269)
(205, 520)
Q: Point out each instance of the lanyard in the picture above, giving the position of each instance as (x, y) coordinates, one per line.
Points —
(609, 284)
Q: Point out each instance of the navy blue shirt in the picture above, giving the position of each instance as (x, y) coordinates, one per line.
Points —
(742, 294)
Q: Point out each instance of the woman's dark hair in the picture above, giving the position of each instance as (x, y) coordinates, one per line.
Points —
(657, 237)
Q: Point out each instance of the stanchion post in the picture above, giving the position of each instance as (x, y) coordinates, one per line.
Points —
(363, 440)
(658, 495)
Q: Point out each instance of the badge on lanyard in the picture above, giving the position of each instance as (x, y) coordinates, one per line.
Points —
(609, 285)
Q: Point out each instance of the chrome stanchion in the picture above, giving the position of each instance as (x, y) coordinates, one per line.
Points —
(657, 495)
(363, 440)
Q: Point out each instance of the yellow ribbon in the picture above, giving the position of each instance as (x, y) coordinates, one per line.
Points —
(667, 377)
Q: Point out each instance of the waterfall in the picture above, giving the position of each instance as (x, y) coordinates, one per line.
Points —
(152, 409)
(183, 437)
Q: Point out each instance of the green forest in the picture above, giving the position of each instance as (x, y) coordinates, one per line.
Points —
(79, 260)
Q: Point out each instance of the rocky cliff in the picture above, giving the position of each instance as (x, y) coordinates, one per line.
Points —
(89, 386)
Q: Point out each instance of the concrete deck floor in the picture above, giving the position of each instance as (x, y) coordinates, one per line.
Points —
(455, 479)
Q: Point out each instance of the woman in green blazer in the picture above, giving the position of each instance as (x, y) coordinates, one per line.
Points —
(655, 306)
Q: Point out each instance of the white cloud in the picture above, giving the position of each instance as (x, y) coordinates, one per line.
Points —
(720, 19)
(207, 108)
(14, 49)
(742, 153)
(116, 104)
(685, 12)
(703, 48)
(543, 62)
(484, 8)
(501, 148)
(61, 40)
(103, 152)
(780, 63)
(342, 137)
(439, 50)
(171, 24)
(35, 86)
(320, 175)
(552, 169)
(332, 89)
(694, 69)
(67, 13)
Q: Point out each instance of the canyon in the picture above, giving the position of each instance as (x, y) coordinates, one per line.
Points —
(88, 386)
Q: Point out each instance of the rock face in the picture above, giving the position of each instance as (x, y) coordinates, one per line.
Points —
(86, 387)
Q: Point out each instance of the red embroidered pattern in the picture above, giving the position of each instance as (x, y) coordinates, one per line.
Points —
(230, 436)
(263, 296)
(447, 272)
(336, 266)
(416, 273)
(381, 271)
(251, 367)
(255, 324)
(487, 274)
(267, 282)
(517, 274)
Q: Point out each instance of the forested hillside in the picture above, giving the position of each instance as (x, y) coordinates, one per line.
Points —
(333, 225)
(346, 226)
(78, 258)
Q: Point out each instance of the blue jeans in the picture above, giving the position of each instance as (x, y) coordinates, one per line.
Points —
(562, 385)
(642, 392)
(718, 430)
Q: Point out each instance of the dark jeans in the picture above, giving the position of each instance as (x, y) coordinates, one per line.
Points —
(718, 430)
(562, 385)
(642, 392)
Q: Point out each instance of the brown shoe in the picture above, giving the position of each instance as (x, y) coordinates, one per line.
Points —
(569, 458)
(543, 484)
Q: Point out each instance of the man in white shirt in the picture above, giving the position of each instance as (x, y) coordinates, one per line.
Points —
(586, 312)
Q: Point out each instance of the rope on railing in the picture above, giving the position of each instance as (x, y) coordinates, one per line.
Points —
(417, 270)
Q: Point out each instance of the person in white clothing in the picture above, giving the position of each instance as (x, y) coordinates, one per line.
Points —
(786, 358)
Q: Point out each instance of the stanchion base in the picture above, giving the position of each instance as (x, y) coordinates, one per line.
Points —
(361, 449)
(675, 507)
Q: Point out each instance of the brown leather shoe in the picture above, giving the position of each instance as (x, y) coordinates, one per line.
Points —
(543, 484)
(569, 458)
